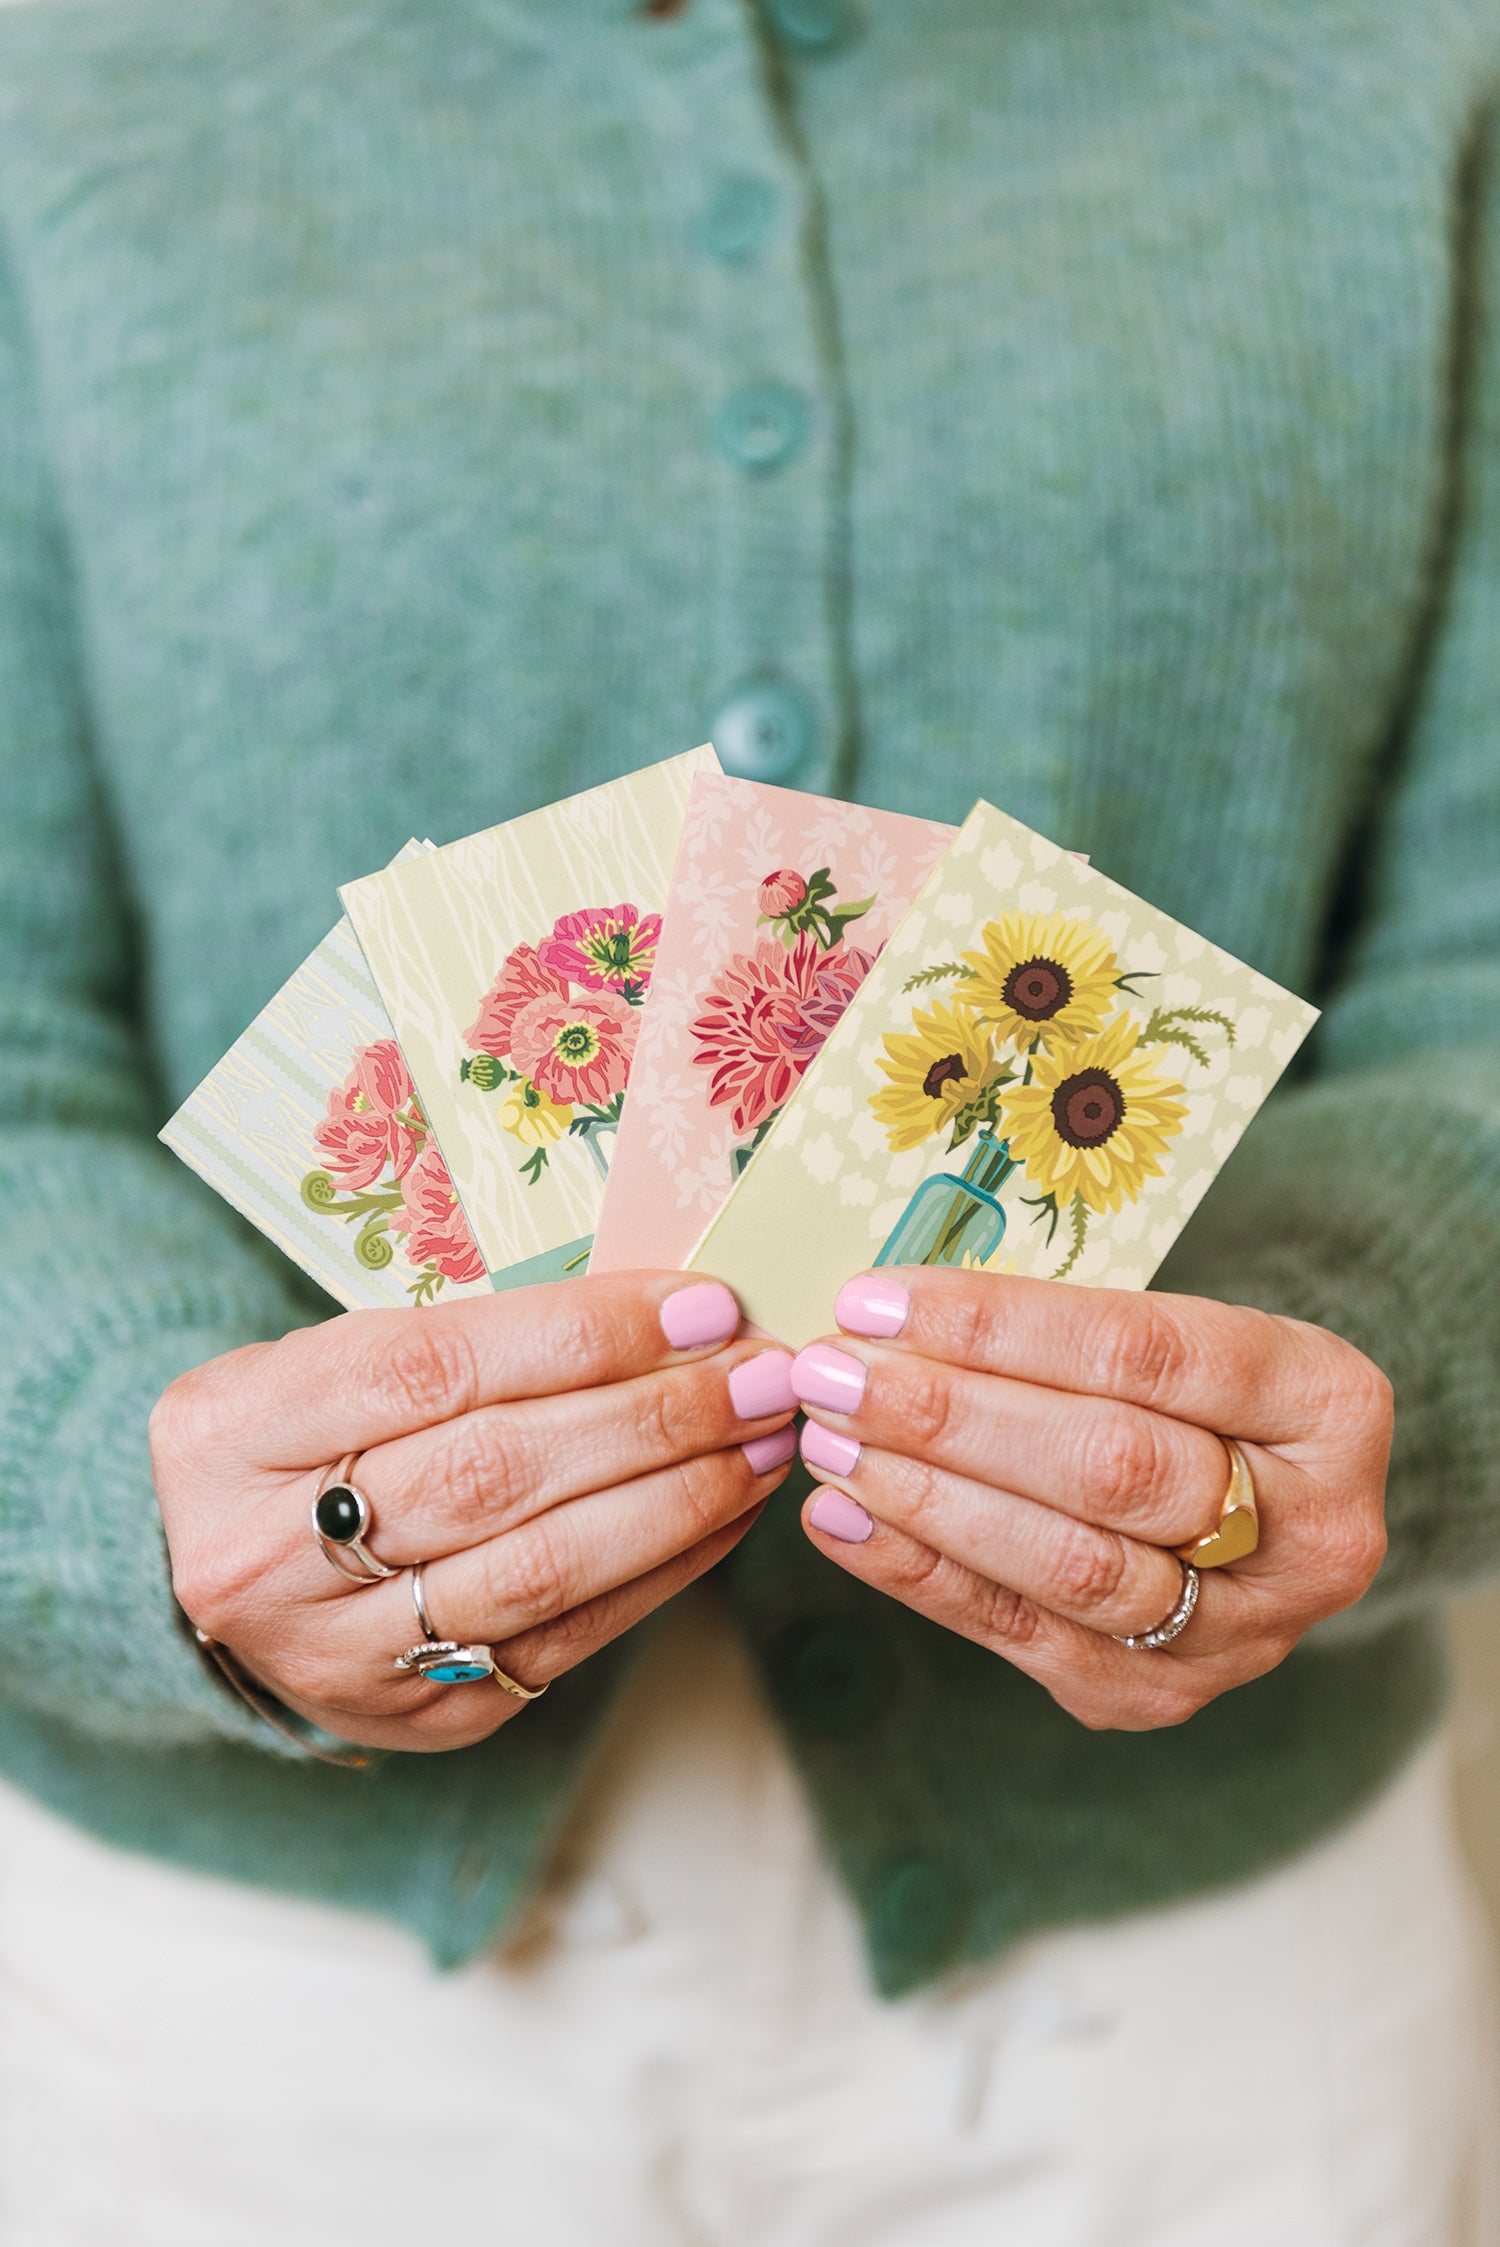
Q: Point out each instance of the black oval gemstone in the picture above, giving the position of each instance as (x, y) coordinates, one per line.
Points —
(340, 1514)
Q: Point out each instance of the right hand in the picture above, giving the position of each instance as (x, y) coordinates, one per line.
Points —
(557, 1463)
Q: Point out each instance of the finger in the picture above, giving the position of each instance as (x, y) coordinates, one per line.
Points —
(376, 1705)
(1090, 1576)
(1220, 1365)
(455, 1485)
(1104, 1685)
(561, 1559)
(1120, 1465)
(370, 1376)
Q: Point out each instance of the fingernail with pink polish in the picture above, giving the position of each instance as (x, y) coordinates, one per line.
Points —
(836, 1514)
(695, 1315)
(833, 1454)
(872, 1305)
(763, 1386)
(829, 1378)
(767, 1453)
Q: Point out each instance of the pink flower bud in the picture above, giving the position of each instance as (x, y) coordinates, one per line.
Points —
(780, 893)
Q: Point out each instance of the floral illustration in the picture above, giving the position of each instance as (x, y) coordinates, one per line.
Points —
(382, 1169)
(1038, 1051)
(556, 1030)
(766, 1014)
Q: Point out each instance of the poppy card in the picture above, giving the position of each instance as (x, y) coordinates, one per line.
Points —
(779, 905)
(310, 1126)
(1040, 1074)
(514, 966)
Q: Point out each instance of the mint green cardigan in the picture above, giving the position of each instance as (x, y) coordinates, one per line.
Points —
(1123, 419)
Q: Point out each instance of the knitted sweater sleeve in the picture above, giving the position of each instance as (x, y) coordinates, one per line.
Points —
(1368, 1198)
(118, 1270)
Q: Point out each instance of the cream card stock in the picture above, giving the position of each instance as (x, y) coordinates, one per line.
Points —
(514, 966)
(311, 1128)
(1040, 1074)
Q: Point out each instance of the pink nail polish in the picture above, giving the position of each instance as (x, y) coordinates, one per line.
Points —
(834, 1454)
(767, 1453)
(829, 1378)
(872, 1304)
(695, 1315)
(763, 1386)
(836, 1514)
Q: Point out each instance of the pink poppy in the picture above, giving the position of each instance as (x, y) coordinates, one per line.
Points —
(780, 893)
(605, 948)
(524, 977)
(436, 1229)
(576, 1051)
(373, 1118)
(768, 1013)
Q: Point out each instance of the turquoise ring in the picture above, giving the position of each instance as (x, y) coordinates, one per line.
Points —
(445, 1662)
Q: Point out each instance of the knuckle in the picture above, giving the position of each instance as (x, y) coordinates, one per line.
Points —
(427, 1370)
(1123, 1463)
(1089, 1570)
(1141, 1350)
(524, 1575)
(672, 1418)
(1007, 1621)
(926, 1403)
(486, 1472)
(709, 1493)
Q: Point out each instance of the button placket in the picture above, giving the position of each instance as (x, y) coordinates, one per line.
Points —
(771, 681)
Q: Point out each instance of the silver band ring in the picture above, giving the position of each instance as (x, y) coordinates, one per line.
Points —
(1172, 1625)
(341, 1520)
(425, 1624)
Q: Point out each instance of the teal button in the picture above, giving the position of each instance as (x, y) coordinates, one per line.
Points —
(737, 217)
(761, 427)
(919, 1914)
(811, 26)
(765, 731)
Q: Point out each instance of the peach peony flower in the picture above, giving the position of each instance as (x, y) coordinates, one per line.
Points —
(436, 1229)
(605, 948)
(373, 1118)
(767, 1015)
(524, 977)
(576, 1051)
(781, 892)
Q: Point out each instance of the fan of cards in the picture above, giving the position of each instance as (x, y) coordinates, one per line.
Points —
(688, 1021)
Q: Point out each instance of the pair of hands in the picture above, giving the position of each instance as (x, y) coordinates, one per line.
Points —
(1010, 1457)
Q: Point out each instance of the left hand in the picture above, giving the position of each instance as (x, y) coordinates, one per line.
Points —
(1029, 1452)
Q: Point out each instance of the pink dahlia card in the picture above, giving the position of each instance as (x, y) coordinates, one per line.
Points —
(779, 904)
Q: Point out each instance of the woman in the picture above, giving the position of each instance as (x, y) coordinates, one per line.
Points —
(414, 413)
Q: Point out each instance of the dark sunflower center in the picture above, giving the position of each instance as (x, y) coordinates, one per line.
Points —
(950, 1070)
(1038, 989)
(1087, 1108)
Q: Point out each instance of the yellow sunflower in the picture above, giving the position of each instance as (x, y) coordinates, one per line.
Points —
(1041, 976)
(1095, 1119)
(944, 1063)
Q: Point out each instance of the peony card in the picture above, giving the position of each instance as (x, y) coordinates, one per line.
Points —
(515, 966)
(778, 906)
(311, 1128)
(1040, 1074)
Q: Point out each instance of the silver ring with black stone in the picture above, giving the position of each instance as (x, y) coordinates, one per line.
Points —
(342, 1520)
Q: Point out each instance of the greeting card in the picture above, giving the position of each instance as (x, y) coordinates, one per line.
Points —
(514, 966)
(778, 906)
(310, 1127)
(1040, 1074)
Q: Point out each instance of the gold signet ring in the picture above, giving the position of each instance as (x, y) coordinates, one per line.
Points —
(1238, 1532)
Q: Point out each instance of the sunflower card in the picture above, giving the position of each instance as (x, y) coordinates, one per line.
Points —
(514, 966)
(1040, 1074)
(778, 907)
(310, 1126)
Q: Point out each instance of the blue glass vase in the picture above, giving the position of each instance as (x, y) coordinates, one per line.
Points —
(948, 1218)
